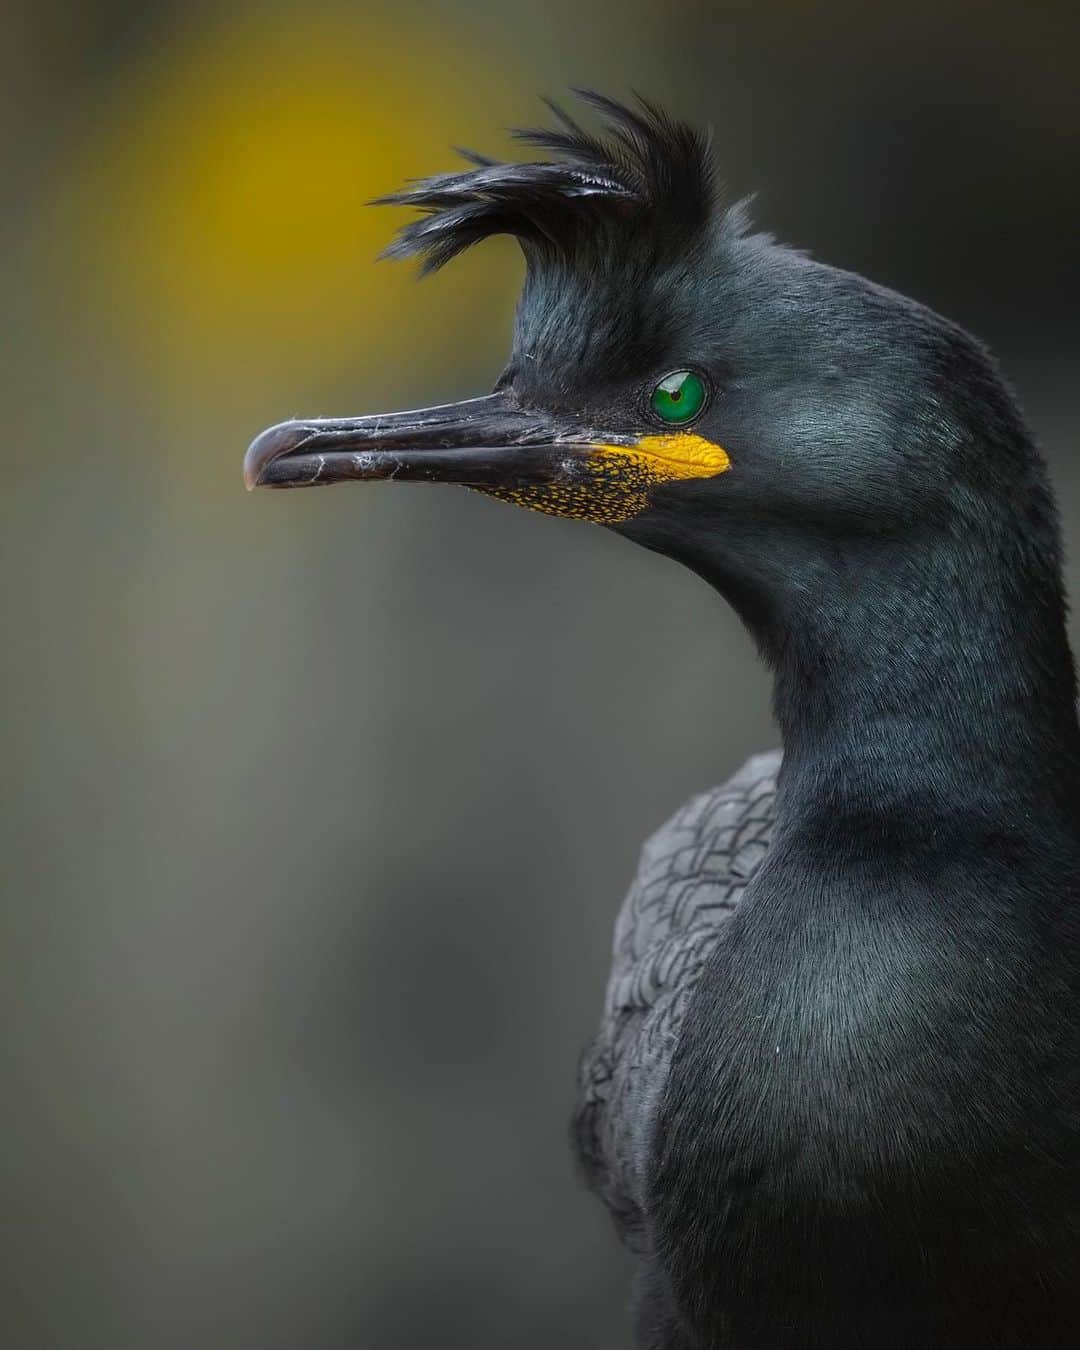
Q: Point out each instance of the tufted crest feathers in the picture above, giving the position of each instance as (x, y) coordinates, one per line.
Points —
(645, 178)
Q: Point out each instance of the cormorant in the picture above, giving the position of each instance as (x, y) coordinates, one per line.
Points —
(834, 1102)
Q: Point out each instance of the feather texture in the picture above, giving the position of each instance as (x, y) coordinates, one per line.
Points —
(690, 880)
(645, 175)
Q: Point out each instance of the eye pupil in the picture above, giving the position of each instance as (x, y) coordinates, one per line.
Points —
(679, 397)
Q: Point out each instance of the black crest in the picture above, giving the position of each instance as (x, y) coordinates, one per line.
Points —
(645, 175)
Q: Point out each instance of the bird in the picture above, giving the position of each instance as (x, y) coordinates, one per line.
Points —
(834, 1098)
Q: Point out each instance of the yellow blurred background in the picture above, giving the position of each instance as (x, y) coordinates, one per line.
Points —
(320, 805)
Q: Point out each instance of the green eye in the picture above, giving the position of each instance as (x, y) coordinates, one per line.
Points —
(679, 397)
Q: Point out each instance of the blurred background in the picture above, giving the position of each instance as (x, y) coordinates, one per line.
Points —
(318, 807)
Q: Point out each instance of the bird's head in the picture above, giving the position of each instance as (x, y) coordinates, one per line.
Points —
(674, 376)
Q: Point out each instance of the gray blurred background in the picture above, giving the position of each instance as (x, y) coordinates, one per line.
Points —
(318, 807)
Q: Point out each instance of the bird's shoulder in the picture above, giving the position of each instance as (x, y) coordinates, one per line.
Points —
(693, 869)
(690, 877)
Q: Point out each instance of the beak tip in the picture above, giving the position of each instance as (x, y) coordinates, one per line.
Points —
(254, 464)
(269, 445)
(252, 472)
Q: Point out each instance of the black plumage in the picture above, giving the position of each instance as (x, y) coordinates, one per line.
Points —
(834, 1102)
(650, 180)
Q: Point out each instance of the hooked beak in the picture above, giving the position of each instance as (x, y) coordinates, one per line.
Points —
(483, 442)
(523, 455)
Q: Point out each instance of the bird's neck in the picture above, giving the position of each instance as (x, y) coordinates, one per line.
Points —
(913, 679)
(925, 684)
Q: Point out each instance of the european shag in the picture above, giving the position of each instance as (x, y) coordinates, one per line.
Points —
(834, 1101)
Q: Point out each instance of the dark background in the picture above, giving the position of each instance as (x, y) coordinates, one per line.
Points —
(318, 807)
